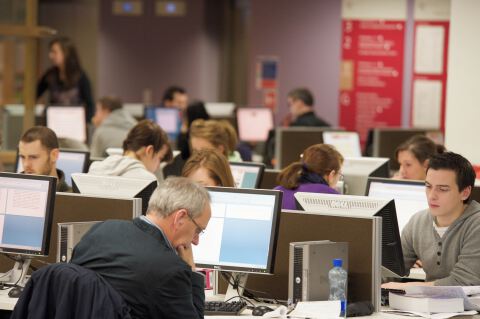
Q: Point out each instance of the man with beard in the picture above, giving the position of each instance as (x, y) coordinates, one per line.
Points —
(38, 151)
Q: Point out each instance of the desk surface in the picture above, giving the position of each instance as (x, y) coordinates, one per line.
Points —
(7, 303)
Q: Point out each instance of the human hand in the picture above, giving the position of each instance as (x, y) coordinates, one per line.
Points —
(418, 264)
(186, 253)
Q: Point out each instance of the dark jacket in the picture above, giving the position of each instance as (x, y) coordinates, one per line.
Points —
(63, 95)
(135, 258)
(65, 290)
(309, 119)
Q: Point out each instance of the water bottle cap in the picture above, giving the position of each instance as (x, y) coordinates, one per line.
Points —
(337, 262)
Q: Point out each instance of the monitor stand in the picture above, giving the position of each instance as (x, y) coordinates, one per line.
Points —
(239, 278)
(16, 276)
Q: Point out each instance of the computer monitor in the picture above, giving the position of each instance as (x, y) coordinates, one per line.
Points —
(68, 122)
(290, 142)
(347, 143)
(114, 187)
(68, 161)
(167, 118)
(269, 178)
(409, 196)
(362, 206)
(357, 170)
(254, 124)
(242, 233)
(137, 110)
(26, 212)
(11, 126)
(247, 174)
(220, 110)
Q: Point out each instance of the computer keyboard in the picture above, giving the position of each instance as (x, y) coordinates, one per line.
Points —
(222, 308)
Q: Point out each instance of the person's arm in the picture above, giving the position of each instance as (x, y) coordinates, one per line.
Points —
(86, 96)
(466, 271)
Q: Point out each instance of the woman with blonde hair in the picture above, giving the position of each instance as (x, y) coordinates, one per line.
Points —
(209, 168)
(318, 171)
(215, 134)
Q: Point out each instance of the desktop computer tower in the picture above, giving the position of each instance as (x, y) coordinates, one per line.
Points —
(69, 234)
(309, 264)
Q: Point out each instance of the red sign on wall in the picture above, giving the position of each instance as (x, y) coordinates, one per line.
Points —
(371, 74)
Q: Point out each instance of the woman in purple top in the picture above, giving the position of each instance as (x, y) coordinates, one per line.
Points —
(318, 171)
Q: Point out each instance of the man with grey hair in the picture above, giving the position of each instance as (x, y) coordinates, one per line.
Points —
(149, 260)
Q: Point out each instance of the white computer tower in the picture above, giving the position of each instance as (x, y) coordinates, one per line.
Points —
(309, 264)
(69, 234)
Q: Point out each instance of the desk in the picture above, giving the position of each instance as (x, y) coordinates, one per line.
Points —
(7, 303)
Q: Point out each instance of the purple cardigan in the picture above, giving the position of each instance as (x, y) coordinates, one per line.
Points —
(289, 199)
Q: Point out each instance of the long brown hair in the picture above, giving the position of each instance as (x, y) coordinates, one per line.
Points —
(214, 162)
(217, 132)
(73, 67)
(319, 158)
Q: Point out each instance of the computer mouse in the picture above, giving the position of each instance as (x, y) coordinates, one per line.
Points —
(15, 292)
(261, 310)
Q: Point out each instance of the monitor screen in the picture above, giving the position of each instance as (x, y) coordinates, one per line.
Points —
(347, 143)
(220, 110)
(241, 235)
(167, 118)
(357, 170)
(26, 211)
(254, 123)
(247, 175)
(69, 162)
(68, 122)
(409, 196)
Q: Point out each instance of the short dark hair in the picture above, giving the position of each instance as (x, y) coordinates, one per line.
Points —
(169, 93)
(146, 133)
(46, 136)
(464, 172)
(302, 94)
(110, 103)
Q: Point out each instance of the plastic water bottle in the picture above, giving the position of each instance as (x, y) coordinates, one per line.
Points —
(337, 277)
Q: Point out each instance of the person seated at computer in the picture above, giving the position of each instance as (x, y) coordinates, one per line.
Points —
(318, 171)
(38, 152)
(300, 102)
(413, 156)
(209, 168)
(215, 134)
(144, 148)
(175, 97)
(194, 111)
(112, 124)
(445, 237)
(149, 260)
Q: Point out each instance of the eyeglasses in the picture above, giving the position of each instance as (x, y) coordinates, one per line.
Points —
(199, 230)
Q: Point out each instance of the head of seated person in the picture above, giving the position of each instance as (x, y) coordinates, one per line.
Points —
(318, 171)
(216, 135)
(175, 97)
(38, 151)
(208, 168)
(196, 110)
(413, 156)
(104, 107)
(145, 147)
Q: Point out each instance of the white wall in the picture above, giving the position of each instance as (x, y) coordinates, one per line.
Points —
(463, 87)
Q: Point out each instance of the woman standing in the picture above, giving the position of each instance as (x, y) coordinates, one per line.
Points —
(66, 82)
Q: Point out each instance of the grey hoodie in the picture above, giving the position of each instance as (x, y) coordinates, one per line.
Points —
(112, 132)
(118, 165)
(451, 260)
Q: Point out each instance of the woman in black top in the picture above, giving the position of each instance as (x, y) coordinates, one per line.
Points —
(66, 82)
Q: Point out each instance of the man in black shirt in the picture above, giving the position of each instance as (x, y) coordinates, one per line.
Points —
(149, 260)
(300, 101)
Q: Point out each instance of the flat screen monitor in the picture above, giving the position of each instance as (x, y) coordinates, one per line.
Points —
(254, 124)
(357, 170)
(247, 174)
(137, 110)
(220, 109)
(290, 142)
(241, 235)
(167, 118)
(362, 206)
(269, 178)
(68, 161)
(26, 212)
(114, 187)
(68, 122)
(409, 196)
(347, 143)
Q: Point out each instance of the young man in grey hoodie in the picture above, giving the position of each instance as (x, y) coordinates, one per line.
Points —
(446, 237)
(112, 124)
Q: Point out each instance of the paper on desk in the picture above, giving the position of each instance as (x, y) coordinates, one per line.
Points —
(445, 292)
(428, 315)
(316, 309)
